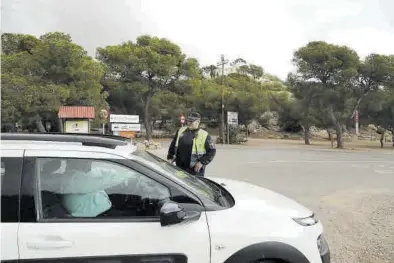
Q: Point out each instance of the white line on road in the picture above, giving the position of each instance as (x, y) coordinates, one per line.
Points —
(325, 161)
(361, 165)
(384, 171)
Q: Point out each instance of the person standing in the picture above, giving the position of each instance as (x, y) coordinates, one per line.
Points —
(192, 148)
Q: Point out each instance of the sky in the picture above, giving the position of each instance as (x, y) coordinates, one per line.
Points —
(260, 31)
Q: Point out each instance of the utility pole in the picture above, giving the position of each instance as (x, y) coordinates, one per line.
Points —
(222, 63)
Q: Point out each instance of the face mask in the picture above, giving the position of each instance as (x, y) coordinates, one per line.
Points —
(194, 125)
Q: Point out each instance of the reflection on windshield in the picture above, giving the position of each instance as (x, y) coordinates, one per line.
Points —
(190, 180)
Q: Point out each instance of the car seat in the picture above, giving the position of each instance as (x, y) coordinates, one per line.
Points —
(52, 205)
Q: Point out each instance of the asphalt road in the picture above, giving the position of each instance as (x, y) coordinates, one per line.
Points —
(351, 192)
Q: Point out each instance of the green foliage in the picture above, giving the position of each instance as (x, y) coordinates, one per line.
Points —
(205, 98)
(210, 71)
(167, 105)
(378, 108)
(153, 78)
(335, 69)
(40, 75)
(16, 43)
(146, 68)
(239, 61)
(256, 72)
(331, 83)
(327, 63)
(290, 113)
(246, 96)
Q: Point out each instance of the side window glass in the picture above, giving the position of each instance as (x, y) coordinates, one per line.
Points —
(11, 169)
(85, 188)
(2, 171)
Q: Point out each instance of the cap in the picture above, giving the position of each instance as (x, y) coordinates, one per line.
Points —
(193, 116)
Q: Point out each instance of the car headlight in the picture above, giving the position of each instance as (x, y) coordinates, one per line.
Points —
(307, 221)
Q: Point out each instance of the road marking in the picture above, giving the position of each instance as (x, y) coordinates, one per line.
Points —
(327, 161)
(361, 165)
(384, 171)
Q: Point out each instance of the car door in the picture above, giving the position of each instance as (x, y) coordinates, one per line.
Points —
(11, 170)
(54, 229)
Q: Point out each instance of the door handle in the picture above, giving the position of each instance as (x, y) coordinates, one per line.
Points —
(50, 243)
(164, 259)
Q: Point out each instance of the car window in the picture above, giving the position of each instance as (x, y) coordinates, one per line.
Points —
(86, 188)
(2, 171)
(179, 174)
(11, 169)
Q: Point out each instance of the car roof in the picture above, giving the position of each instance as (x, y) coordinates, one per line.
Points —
(67, 141)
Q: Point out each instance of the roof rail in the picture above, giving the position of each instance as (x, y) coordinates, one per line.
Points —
(107, 141)
(110, 136)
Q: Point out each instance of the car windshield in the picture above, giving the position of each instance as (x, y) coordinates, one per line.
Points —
(192, 181)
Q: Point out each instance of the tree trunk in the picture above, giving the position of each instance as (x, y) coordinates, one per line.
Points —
(381, 139)
(221, 133)
(357, 105)
(306, 134)
(39, 124)
(338, 129)
(60, 125)
(329, 134)
(330, 137)
(392, 135)
(147, 122)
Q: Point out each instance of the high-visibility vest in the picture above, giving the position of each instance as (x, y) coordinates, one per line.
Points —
(198, 145)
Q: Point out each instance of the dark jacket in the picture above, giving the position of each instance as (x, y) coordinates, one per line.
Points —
(183, 154)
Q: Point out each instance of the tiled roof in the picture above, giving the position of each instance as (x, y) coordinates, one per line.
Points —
(79, 112)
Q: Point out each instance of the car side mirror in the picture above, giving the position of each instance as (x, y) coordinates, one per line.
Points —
(171, 213)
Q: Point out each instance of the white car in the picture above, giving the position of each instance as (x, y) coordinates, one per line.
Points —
(98, 199)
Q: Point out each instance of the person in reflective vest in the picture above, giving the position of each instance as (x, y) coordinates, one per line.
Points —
(192, 148)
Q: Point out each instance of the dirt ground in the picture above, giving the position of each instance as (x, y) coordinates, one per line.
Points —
(354, 145)
(349, 145)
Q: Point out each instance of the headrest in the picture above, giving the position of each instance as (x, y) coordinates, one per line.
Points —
(51, 166)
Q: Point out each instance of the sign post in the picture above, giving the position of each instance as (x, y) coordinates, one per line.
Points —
(104, 113)
(357, 125)
(232, 119)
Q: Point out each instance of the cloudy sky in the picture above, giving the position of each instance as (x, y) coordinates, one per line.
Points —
(260, 31)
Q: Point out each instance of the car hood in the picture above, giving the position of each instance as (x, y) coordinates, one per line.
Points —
(258, 199)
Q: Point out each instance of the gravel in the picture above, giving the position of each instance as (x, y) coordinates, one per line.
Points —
(351, 192)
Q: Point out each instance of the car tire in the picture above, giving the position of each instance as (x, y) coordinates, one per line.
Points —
(269, 261)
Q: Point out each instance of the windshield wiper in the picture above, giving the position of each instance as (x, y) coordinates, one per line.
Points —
(216, 188)
(218, 191)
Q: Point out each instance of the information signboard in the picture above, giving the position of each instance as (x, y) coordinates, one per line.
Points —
(124, 118)
(232, 118)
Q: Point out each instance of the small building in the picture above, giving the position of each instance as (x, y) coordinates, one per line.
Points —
(76, 119)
